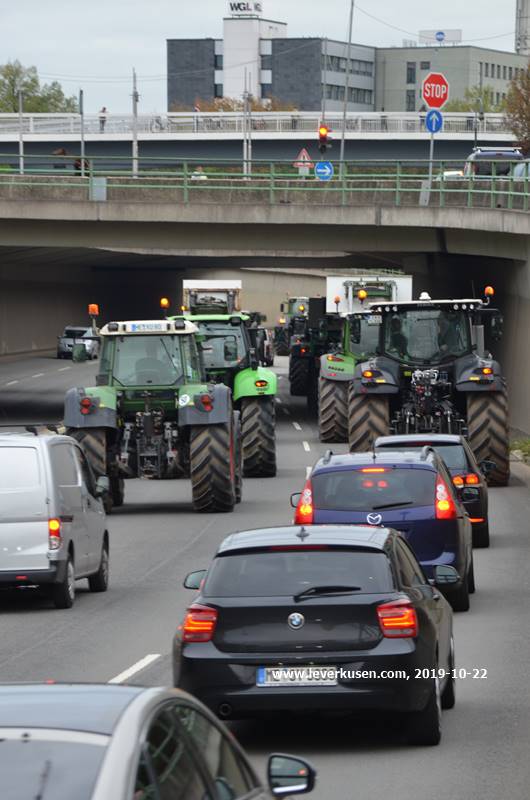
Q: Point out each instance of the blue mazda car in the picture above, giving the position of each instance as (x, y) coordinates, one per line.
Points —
(411, 492)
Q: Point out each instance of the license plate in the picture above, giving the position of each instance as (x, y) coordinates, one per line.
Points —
(296, 676)
(374, 319)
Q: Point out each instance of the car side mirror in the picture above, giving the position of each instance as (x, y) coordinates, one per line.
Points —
(289, 775)
(445, 575)
(194, 579)
(468, 494)
(295, 499)
(102, 486)
(487, 466)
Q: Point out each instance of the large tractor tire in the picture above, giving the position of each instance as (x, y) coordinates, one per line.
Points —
(299, 377)
(212, 467)
(281, 342)
(333, 411)
(117, 490)
(488, 432)
(238, 444)
(258, 422)
(368, 418)
(94, 443)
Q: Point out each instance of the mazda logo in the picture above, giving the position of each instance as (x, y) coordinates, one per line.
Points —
(296, 621)
(374, 519)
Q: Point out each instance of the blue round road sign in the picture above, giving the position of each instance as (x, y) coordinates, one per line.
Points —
(434, 121)
(440, 36)
(324, 170)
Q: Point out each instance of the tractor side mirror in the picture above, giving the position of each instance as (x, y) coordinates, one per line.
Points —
(497, 327)
(254, 363)
(282, 308)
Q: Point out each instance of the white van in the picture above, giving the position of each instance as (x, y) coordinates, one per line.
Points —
(52, 522)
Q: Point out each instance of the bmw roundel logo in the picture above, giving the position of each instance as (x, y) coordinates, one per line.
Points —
(296, 621)
(374, 519)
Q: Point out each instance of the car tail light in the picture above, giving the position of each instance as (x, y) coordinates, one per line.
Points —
(206, 402)
(459, 481)
(471, 479)
(54, 534)
(373, 469)
(398, 619)
(476, 520)
(85, 405)
(444, 503)
(261, 384)
(334, 358)
(199, 624)
(304, 513)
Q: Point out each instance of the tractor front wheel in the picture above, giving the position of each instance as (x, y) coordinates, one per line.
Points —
(368, 418)
(212, 467)
(258, 423)
(333, 411)
(488, 432)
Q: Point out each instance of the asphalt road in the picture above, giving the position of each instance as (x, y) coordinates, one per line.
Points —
(156, 539)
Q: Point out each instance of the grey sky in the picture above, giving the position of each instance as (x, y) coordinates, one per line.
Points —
(94, 44)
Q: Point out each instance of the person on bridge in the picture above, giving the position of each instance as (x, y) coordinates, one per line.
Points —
(102, 119)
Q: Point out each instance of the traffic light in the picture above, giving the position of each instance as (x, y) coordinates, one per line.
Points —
(323, 138)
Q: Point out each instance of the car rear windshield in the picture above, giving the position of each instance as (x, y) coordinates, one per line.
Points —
(48, 769)
(280, 574)
(358, 490)
(74, 333)
(19, 468)
(454, 455)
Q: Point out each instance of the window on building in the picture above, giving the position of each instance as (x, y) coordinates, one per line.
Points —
(425, 65)
(218, 90)
(504, 96)
(342, 90)
(218, 62)
(493, 70)
(510, 73)
(411, 100)
(487, 70)
(504, 72)
(266, 62)
(342, 64)
(498, 100)
(411, 72)
(266, 90)
(498, 72)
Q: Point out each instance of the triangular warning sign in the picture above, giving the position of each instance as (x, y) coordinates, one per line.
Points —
(303, 159)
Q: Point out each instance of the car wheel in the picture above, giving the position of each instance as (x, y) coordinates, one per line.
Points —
(63, 593)
(481, 535)
(471, 578)
(99, 581)
(460, 599)
(426, 726)
(448, 694)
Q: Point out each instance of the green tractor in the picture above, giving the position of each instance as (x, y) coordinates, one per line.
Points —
(292, 314)
(151, 415)
(229, 356)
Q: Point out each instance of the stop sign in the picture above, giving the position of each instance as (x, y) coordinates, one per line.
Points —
(435, 90)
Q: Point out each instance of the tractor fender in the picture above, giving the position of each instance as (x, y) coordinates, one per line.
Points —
(384, 369)
(470, 367)
(245, 383)
(195, 414)
(343, 370)
(102, 412)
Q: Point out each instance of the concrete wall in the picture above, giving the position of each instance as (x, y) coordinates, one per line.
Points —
(296, 77)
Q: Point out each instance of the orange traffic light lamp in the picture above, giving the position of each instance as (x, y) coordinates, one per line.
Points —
(323, 138)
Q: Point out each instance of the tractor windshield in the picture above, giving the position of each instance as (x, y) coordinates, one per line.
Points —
(364, 346)
(426, 336)
(151, 360)
(224, 345)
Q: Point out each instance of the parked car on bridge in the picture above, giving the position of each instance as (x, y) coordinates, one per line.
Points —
(96, 742)
(411, 492)
(319, 618)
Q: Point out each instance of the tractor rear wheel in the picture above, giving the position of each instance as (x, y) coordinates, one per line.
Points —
(238, 449)
(368, 418)
(488, 432)
(211, 452)
(258, 422)
(333, 411)
(299, 376)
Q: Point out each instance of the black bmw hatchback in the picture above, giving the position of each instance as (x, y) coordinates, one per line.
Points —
(319, 618)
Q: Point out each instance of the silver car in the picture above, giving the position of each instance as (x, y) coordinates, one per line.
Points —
(77, 334)
(108, 742)
(52, 523)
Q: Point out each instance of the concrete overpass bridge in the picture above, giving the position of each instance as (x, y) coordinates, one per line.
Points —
(59, 249)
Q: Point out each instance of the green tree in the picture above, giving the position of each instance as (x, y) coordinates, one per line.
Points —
(48, 98)
(518, 108)
(477, 98)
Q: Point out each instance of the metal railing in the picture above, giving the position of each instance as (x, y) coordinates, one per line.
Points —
(220, 124)
(363, 183)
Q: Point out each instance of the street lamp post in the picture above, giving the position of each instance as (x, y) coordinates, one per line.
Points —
(20, 132)
(346, 89)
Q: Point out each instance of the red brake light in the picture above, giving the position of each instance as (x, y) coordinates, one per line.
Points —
(445, 507)
(304, 513)
(85, 405)
(261, 384)
(472, 479)
(458, 481)
(54, 534)
(207, 402)
(334, 358)
(398, 619)
(199, 624)
(373, 469)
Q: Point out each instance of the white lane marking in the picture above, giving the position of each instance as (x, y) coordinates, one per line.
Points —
(306, 447)
(286, 412)
(138, 667)
(38, 375)
(279, 400)
(296, 426)
(308, 471)
(62, 369)
(11, 383)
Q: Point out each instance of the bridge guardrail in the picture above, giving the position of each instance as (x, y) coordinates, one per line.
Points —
(378, 182)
